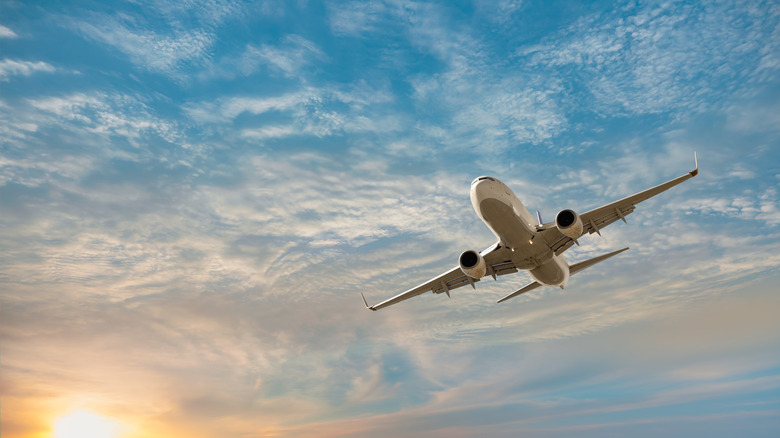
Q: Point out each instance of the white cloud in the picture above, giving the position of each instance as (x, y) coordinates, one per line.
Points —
(527, 116)
(108, 114)
(356, 18)
(659, 57)
(183, 38)
(501, 12)
(7, 33)
(225, 110)
(89, 130)
(270, 132)
(10, 67)
(757, 207)
(319, 112)
(290, 58)
(151, 50)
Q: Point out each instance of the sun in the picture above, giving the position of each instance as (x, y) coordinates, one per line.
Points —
(85, 424)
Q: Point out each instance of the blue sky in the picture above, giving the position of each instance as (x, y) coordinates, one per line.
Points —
(194, 194)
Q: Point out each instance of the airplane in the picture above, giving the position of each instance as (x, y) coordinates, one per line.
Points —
(525, 242)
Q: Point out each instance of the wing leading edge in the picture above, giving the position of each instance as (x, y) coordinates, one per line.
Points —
(496, 259)
(594, 220)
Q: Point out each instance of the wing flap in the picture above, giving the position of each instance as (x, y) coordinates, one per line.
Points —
(446, 286)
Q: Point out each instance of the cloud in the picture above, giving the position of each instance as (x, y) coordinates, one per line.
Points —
(181, 37)
(753, 206)
(108, 114)
(225, 110)
(356, 18)
(290, 58)
(92, 131)
(321, 112)
(10, 67)
(660, 57)
(151, 50)
(7, 33)
(270, 132)
(485, 108)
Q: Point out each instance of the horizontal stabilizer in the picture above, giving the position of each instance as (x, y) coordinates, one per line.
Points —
(525, 289)
(573, 269)
(577, 267)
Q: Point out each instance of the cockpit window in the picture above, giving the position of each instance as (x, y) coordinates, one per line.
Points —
(481, 178)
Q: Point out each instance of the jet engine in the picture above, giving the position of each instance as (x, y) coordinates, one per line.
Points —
(472, 264)
(569, 223)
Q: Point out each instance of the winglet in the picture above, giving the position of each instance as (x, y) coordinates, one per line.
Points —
(366, 303)
(539, 217)
(695, 171)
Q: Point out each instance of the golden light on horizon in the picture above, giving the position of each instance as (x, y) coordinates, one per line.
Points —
(85, 424)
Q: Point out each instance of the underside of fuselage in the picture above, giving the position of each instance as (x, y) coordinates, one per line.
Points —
(515, 229)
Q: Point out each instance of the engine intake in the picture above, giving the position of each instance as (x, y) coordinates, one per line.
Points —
(472, 264)
(569, 223)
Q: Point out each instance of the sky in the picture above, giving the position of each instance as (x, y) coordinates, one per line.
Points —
(193, 195)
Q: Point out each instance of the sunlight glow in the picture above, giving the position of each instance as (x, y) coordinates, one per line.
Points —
(85, 424)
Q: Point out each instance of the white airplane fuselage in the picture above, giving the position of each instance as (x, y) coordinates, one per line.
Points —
(515, 228)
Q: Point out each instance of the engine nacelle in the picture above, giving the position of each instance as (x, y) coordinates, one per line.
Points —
(569, 223)
(472, 264)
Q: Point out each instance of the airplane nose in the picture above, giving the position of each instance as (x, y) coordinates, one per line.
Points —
(480, 189)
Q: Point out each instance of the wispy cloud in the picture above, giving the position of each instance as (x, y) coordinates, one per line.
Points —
(166, 49)
(10, 67)
(320, 112)
(356, 18)
(750, 206)
(149, 49)
(109, 114)
(289, 59)
(5, 32)
(648, 62)
(226, 110)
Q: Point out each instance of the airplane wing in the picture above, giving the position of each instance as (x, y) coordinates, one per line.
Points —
(497, 261)
(594, 220)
